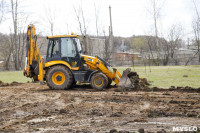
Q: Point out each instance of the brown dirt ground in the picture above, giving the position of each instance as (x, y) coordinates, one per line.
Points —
(35, 108)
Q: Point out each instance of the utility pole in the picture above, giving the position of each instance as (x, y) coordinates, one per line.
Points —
(111, 30)
(111, 44)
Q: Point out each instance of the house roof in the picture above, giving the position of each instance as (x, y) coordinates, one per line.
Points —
(63, 36)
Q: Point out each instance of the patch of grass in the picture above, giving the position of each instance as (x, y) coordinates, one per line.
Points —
(160, 76)
(166, 76)
(10, 76)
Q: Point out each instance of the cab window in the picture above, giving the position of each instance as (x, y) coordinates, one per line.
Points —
(53, 48)
(68, 47)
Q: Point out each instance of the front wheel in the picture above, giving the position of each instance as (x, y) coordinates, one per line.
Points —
(109, 82)
(99, 81)
(59, 77)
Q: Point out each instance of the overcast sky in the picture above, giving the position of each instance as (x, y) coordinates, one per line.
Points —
(130, 17)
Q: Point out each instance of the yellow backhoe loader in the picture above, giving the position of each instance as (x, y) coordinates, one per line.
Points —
(65, 64)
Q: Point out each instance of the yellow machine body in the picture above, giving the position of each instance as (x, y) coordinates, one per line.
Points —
(59, 73)
(95, 64)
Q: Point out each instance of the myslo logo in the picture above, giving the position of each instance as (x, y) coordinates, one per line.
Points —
(184, 128)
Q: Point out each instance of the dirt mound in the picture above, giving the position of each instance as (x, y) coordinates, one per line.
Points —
(173, 88)
(137, 83)
(3, 84)
(14, 83)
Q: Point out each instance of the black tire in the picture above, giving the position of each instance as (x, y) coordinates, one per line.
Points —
(99, 81)
(65, 76)
(74, 82)
(109, 82)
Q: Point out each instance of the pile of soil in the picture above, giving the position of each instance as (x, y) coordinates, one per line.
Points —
(14, 83)
(135, 82)
(139, 83)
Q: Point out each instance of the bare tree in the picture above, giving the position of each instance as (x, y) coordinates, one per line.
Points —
(2, 5)
(191, 58)
(107, 53)
(50, 15)
(166, 53)
(196, 29)
(155, 10)
(6, 49)
(174, 37)
(18, 37)
(79, 13)
(68, 32)
(151, 43)
(14, 11)
(196, 10)
(22, 40)
(97, 25)
(83, 18)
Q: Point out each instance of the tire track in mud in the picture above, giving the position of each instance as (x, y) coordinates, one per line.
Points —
(35, 108)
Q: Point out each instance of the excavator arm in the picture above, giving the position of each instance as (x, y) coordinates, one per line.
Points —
(33, 61)
(97, 63)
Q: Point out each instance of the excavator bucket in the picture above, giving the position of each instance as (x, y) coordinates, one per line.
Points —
(125, 81)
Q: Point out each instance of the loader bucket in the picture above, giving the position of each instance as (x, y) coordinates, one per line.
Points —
(125, 81)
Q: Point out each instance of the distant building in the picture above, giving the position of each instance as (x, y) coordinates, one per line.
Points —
(96, 46)
(123, 56)
(2, 65)
(127, 58)
(192, 47)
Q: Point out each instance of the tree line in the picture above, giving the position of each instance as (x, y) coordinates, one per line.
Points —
(151, 45)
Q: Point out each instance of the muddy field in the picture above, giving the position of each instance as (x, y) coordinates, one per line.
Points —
(35, 108)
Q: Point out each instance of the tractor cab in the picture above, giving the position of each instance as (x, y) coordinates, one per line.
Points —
(64, 48)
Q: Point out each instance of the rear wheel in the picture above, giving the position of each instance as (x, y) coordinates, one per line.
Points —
(99, 81)
(59, 77)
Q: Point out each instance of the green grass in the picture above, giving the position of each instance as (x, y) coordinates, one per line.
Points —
(160, 76)
(10, 76)
(166, 76)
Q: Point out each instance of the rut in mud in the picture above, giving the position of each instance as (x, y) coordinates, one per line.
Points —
(35, 108)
